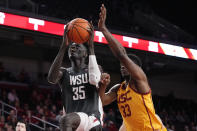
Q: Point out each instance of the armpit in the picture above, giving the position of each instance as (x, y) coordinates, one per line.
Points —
(115, 88)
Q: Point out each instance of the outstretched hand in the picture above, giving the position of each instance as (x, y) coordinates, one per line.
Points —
(102, 18)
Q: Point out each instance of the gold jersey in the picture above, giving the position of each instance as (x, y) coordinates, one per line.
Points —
(137, 110)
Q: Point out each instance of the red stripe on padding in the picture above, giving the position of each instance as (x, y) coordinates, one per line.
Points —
(95, 120)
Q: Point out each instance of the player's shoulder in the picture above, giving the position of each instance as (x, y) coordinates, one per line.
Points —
(64, 70)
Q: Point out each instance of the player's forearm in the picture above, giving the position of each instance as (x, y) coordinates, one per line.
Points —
(102, 95)
(116, 47)
(55, 67)
(120, 52)
(106, 98)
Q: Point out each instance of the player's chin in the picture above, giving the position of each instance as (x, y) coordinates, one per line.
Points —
(73, 55)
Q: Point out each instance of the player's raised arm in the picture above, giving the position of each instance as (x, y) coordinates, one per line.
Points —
(55, 72)
(118, 50)
(94, 72)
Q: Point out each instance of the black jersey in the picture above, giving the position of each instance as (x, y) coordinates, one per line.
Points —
(78, 95)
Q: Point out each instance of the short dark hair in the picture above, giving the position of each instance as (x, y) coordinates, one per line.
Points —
(135, 59)
(26, 124)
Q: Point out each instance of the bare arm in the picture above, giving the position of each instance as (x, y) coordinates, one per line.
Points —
(55, 73)
(118, 50)
(91, 40)
(111, 95)
(94, 72)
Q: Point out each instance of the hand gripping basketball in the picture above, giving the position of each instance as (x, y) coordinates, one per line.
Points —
(78, 30)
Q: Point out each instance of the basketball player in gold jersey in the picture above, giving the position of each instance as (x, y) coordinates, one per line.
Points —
(134, 94)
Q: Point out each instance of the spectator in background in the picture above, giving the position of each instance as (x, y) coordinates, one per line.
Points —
(180, 117)
(105, 126)
(111, 126)
(40, 112)
(28, 115)
(186, 128)
(22, 126)
(53, 113)
(58, 117)
(54, 109)
(11, 115)
(3, 96)
(37, 109)
(20, 110)
(193, 127)
(111, 115)
(2, 121)
(8, 127)
(12, 97)
(172, 128)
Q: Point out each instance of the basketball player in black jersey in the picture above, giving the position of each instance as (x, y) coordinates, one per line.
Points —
(78, 83)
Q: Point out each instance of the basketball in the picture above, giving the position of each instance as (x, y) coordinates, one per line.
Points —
(78, 30)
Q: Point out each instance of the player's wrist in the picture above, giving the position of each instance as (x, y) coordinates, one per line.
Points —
(92, 57)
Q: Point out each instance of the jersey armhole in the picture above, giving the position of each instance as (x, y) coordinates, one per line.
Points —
(63, 70)
(141, 93)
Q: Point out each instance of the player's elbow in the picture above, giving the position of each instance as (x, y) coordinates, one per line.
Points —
(121, 56)
(106, 101)
(51, 79)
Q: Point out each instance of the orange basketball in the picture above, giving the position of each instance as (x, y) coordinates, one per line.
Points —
(78, 30)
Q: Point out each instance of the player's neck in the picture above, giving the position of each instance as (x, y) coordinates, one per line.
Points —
(127, 78)
(125, 85)
(77, 65)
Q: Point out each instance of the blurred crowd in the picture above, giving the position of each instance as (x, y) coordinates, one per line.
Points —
(45, 104)
(176, 114)
(22, 76)
(40, 103)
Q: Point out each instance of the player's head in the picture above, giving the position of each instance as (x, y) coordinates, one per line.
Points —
(135, 59)
(77, 51)
(21, 126)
